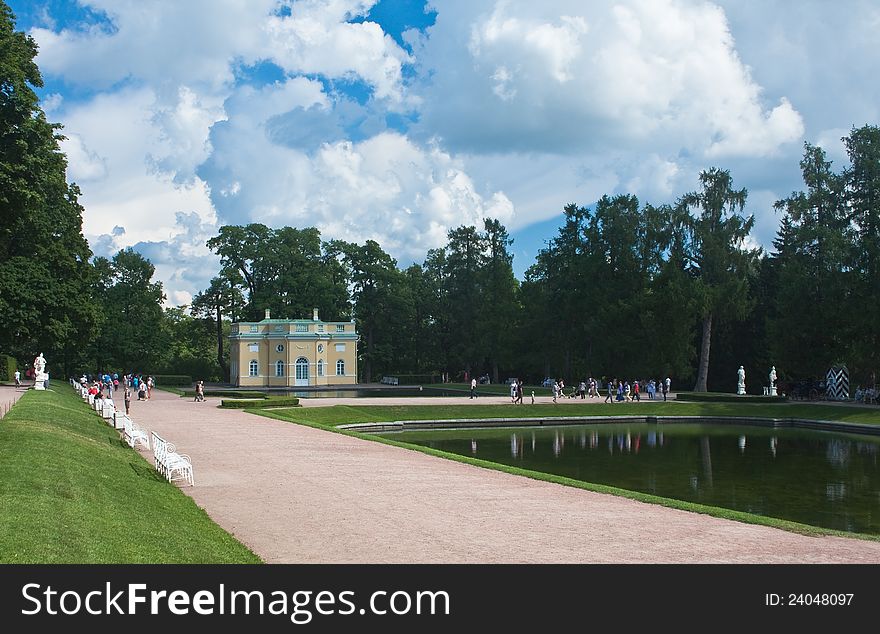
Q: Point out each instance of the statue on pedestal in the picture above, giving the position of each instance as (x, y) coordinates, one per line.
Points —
(741, 381)
(773, 381)
(40, 375)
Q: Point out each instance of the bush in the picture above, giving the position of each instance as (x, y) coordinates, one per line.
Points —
(173, 379)
(269, 402)
(7, 368)
(718, 397)
(417, 379)
(229, 393)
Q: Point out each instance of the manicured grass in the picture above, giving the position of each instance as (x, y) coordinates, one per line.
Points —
(72, 492)
(348, 414)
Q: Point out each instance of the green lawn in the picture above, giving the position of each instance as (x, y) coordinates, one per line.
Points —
(348, 414)
(72, 492)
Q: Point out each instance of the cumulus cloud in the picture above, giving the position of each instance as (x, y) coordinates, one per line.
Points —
(385, 187)
(499, 106)
(570, 76)
(317, 37)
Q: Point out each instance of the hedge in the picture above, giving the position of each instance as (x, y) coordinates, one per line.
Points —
(269, 402)
(173, 379)
(415, 379)
(229, 393)
(717, 397)
(7, 368)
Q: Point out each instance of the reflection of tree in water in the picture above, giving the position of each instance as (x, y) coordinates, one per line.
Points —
(706, 455)
(837, 452)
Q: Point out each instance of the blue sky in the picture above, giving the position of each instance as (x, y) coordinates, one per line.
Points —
(397, 120)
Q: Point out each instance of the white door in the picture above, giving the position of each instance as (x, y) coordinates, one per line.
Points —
(302, 371)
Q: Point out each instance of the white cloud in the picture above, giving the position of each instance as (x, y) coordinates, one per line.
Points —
(317, 38)
(569, 76)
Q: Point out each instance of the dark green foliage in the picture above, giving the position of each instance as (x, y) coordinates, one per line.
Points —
(173, 379)
(269, 402)
(8, 366)
(45, 294)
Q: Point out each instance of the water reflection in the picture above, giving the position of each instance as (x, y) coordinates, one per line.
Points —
(808, 476)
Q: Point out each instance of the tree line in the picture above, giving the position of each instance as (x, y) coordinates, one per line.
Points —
(625, 288)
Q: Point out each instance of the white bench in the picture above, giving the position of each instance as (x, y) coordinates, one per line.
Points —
(134, 435)
(108, 410)
(174, 466)
(119, 419)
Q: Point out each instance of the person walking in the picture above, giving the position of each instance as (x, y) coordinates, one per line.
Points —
(664, 387)
(610, 397)
(473, 388)
(127, 399)
(519, 393)
(150, 384)
(17, 378)
(636, 396)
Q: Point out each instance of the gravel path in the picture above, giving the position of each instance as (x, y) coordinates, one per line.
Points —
(295, 494)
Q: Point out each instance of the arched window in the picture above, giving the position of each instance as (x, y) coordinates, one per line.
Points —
(279, 368)
(254, 368)
(340, 368)
(320, 367)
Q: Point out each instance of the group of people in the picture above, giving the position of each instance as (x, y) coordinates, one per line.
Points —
(617, 389)
(104, 385)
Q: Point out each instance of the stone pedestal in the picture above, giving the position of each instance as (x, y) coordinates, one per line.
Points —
(773, 391)
(741, 390)
(40, 382)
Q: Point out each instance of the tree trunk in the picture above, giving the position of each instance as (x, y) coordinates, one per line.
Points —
(223, 369)
(703, 372)
(368, 357)
(494, 371)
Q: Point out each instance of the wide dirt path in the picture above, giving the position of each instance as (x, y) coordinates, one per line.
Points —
(300, 495)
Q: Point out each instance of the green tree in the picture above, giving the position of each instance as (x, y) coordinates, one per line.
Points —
(499, 305)
(222, 301)
(813, 247)
(717, 256)
(287, 270)
(862, 199)
(45, 276)
(379, 302)
(133, 336)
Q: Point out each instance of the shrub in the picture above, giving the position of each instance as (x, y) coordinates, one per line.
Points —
(173, 379)
(716, 397)
(229, 393)
(7, 368)
(269, 402)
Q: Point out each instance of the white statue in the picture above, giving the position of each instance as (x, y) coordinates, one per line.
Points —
(40, 376)
(741, 381)
(773, 381)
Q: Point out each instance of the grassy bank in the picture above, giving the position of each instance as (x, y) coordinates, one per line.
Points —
(348, 414)
(72, 492)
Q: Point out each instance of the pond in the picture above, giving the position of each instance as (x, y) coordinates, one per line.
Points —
(813, 477)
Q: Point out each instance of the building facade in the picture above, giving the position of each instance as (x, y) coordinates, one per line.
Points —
(293, 352)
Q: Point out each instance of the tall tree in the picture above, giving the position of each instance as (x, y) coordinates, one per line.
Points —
(379, 303)
(498, 303)
(717, 255)
(862, 197)
(45, 276)
(812, 251)
(133, 336)
(223, 298)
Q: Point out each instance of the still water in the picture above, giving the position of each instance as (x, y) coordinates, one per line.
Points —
(817, 478)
